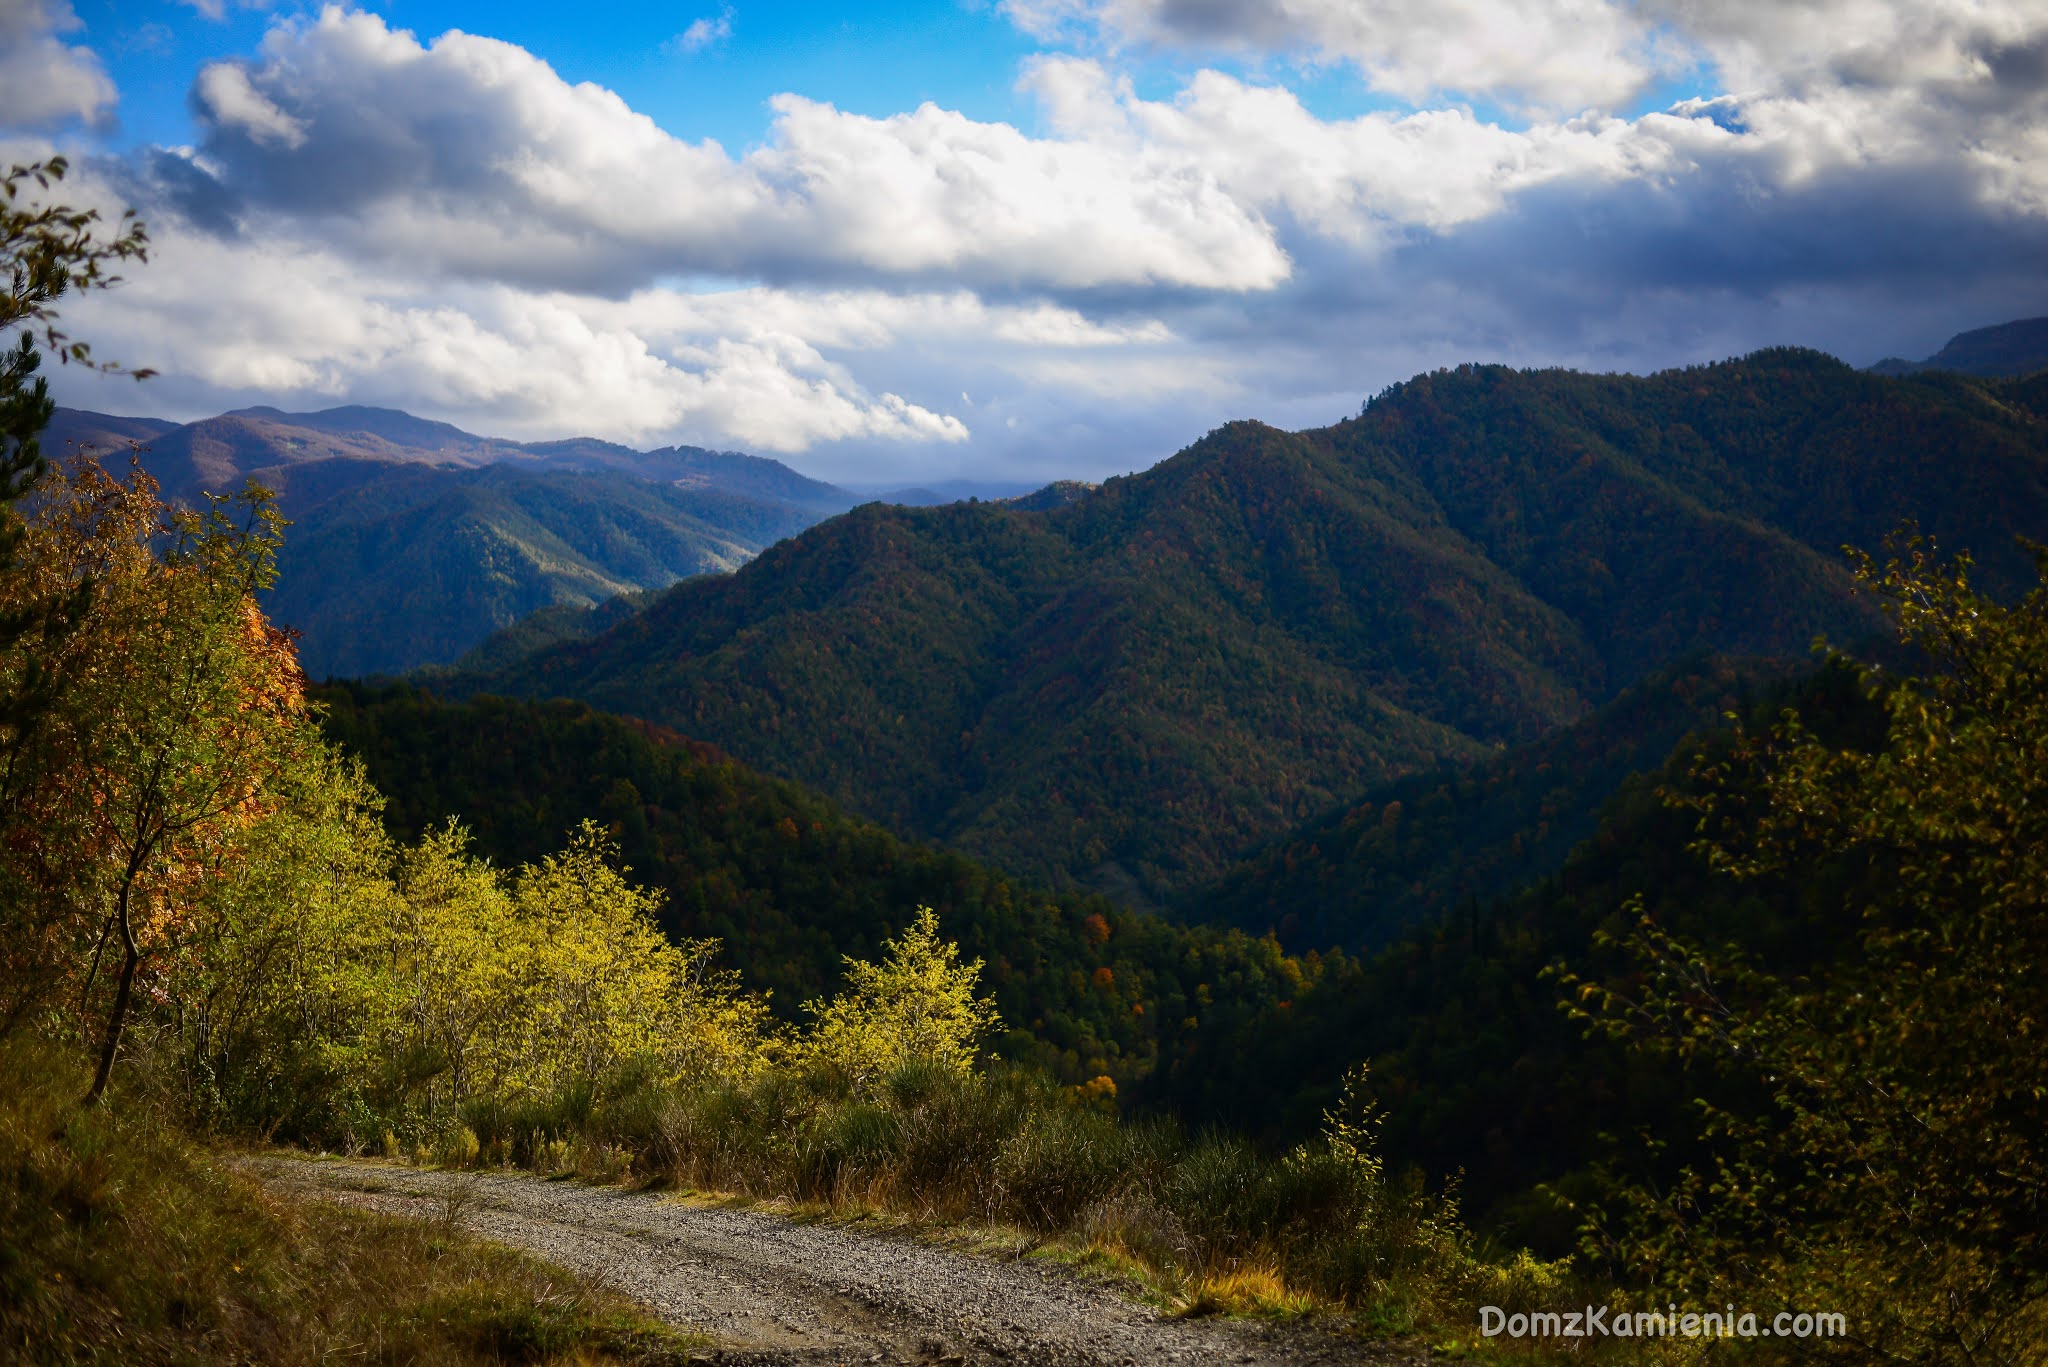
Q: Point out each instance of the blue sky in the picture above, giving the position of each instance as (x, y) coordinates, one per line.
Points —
(1015, 239)
(875, 59)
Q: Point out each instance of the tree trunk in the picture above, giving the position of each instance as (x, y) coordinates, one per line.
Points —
(118, 1018)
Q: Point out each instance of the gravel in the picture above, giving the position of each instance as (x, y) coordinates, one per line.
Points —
(773, 1291)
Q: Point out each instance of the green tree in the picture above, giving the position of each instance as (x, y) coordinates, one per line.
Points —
(916, 1006)
(546, 980)
(1898, 1166)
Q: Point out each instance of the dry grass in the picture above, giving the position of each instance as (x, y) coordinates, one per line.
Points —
(121, 1241)
(1247, 1291)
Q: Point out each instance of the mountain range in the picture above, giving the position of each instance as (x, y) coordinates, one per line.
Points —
(1376, 714)
(1136, 686)
(412, 540)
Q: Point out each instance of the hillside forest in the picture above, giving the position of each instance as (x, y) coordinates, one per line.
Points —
(1377, 872)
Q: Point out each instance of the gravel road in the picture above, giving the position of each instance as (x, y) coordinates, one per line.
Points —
(772, 1291)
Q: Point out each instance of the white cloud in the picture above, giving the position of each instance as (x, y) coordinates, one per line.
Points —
(275, 319)
(475, 154)
(702, 33)
(474, 157)
(1367, 181)
(452, 228)
(1571, 55)
(1560, 54)
(46, 80)
(224, 92)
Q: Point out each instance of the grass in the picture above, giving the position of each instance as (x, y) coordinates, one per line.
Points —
(122, 1240)
(1010, 1165)
(1196, 1224)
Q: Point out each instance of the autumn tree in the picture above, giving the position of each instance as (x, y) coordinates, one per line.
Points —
(181, 705)
(916, 1006)
(46, 251)
(1897, 1166)
(546, 980)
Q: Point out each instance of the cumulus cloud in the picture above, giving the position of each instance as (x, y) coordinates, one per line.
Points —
(233, 103)
(1571, 55)
(272, 317)
(47, 80)
(475, 154)
(1552, 53)
(1370, 180)
(450, 227)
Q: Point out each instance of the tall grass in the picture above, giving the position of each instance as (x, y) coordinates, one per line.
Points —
(1209, 1221)
(122, 1241)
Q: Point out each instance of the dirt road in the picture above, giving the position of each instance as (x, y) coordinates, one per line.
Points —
(772, 1291)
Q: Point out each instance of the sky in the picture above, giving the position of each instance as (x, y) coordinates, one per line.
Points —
(1015, 240)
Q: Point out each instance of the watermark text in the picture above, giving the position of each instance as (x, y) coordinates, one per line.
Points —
(1609, 1321)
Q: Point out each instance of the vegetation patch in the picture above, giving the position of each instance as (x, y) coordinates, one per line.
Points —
(122, 1242)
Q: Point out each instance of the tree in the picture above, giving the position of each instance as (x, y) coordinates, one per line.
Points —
(916, 1006)
(45, 252)
(180, 709)
(545, 981)
(276, 999)
(1898, 1166)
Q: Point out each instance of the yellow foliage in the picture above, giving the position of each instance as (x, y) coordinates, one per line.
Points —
(916, 1006)
(552, 977)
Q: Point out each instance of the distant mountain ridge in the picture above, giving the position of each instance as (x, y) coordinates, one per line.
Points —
(413, 540)
(2008, 350)
(268, 442)
(1132, 688)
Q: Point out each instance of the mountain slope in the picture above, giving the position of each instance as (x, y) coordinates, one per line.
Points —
(969, 672)
(414, 540)
(790, 884)
(1131, 689)
(1479, 1072)
(2009, 349)
(105, 434)
(418, 567)
(1416, 850)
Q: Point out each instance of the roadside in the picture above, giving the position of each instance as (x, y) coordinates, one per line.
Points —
(774, 1291)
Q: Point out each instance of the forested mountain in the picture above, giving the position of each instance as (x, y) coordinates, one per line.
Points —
(1409, 852)
(790, 884)
(542, 628)
(1478, 1069)
(1133, 688)
(2009, 349)
(422, 565)
(414, 540)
